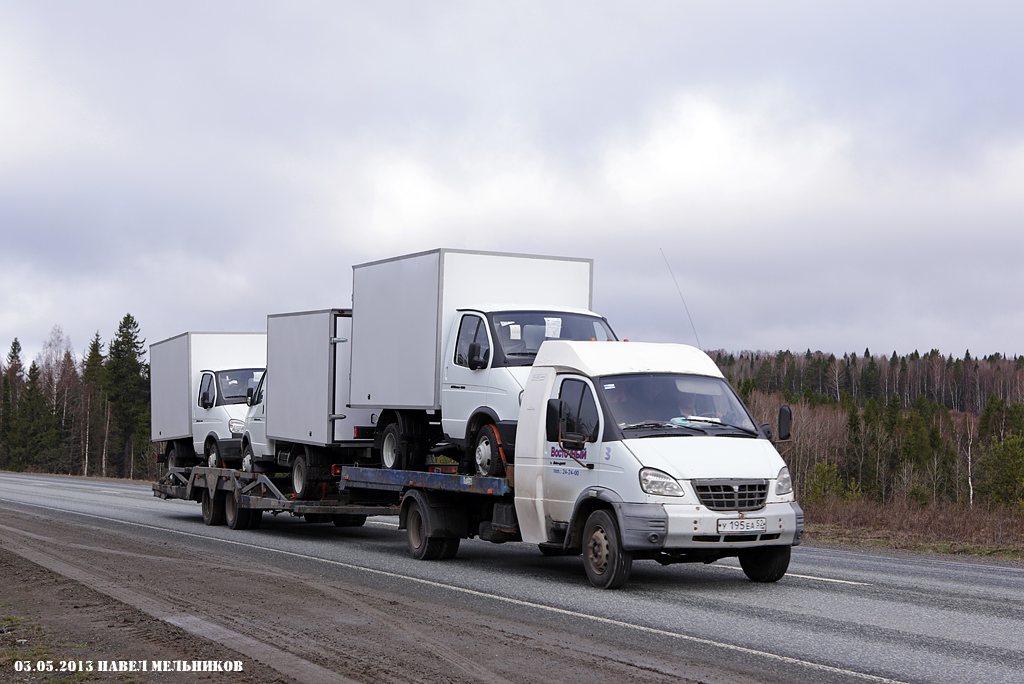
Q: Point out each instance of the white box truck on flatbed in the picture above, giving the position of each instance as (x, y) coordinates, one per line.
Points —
(198, 389)
(442, 343)
(625, 451)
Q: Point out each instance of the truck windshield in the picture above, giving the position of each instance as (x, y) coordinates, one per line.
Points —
(519, 334)
(232, 385)
(667, 400)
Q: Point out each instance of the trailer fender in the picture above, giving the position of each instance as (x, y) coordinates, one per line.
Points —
(442, 519)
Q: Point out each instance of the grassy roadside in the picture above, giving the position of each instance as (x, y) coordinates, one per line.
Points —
(952, 530)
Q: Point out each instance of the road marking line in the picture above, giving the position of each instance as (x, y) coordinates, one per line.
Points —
(520, 602)
(791, 574)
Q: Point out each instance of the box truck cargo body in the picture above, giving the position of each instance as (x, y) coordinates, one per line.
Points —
(198, 387)
(442, 342)
(298, 412)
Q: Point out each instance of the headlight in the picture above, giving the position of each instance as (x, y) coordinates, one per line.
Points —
(658, 483)
(784, 483)
(236, 426)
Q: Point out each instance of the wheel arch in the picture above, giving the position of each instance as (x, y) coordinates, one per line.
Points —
(590, 500)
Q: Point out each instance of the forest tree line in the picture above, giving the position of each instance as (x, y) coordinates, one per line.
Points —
(919, 428)
(87, 416)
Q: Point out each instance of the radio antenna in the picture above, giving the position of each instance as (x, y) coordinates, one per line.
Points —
(680, 296)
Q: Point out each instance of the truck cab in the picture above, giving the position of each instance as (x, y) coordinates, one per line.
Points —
(633, 450)
(218, 414)
(487, 359)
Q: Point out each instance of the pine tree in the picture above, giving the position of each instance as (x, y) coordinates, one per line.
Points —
(94, 400)
(128, 377)
(11, 439)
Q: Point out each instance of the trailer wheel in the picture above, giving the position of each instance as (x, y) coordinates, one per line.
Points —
(213, 507)
(765, 564)
(422, 547)
(608, 565)
(486, 453)
(213, 455)
(255, 518)
(236, 517)
(348, 520)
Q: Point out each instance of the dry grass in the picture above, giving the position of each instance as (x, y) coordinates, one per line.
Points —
(943, 529)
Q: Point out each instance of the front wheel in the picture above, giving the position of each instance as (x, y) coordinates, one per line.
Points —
(608, 565)
(765, 564)
(213, 455)
(247, 461)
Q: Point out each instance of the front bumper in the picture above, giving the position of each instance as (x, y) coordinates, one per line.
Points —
(669, 527)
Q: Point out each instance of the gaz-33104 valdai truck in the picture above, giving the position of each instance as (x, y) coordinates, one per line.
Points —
(198, 387)
(624, 451)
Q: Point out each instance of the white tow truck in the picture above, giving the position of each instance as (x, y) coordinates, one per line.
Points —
(625, 451)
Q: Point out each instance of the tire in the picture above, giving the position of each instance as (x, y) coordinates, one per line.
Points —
(213, 456)
(236, 517)
(421, 546)
(486, 453)
(391, 456)
(173, 461)
(247, 463)
(255, 518)
(765, 564)
(303, 482)
(608, 565)
(213, 507)
(348, 520)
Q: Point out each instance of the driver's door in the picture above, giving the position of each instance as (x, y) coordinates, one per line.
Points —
(569, 472)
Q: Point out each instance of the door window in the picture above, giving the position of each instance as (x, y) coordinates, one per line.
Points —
(206, 386)
(472, 329)
(582, 417)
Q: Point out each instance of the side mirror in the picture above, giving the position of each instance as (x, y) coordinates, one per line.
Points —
(785, 422)
(766, 430)
(248, 396)
(476, 362)
(206, 400)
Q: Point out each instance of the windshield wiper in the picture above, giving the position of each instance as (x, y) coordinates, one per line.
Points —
(718, 421)
(520, 353)
(655, 424)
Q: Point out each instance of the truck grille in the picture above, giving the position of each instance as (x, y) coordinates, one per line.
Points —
(732, 495)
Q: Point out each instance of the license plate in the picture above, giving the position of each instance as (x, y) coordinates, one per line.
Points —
(742, 525)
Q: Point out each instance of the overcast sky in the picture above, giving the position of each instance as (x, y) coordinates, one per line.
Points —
(833, 176)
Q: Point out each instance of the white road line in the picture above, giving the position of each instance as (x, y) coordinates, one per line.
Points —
(519, 602)
(791, 574)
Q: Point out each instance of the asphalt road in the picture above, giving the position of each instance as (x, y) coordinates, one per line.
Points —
(838, 616)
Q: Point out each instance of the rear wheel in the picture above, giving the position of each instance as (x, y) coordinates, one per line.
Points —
(765, 564)
(236, 517)
(421, 546)
(304, 481)
(213, 507)
(390, 453)
(255, 518)
(487, 454)
(608, 565)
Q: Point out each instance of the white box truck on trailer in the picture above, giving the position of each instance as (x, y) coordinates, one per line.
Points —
(198, 387)
(443, 341)
(298, 420)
